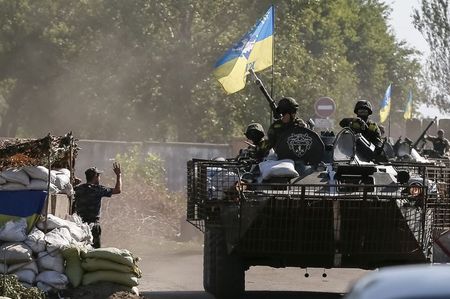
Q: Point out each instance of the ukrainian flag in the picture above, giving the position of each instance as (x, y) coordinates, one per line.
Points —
(253, 51)
(21, 204)
(408, 108)
(385, 107)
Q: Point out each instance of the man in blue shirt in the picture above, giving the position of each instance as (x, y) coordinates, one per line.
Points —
(88, 198)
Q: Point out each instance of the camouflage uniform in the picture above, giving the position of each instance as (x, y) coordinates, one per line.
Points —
(440, 145)
(372, 132)
(277, 134)
(255, 133)
(87, 204)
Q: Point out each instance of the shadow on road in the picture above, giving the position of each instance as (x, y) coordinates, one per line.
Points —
(248, 295)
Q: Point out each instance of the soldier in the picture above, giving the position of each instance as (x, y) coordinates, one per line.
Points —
(88, 198)
(255, 133)
(287, 108)
(362, 124)
(440, 144)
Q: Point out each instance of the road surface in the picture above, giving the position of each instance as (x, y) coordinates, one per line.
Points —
(174, 270)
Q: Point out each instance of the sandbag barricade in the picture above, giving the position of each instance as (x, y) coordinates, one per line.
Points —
(111, 265)
(63, 257)
(37, 259)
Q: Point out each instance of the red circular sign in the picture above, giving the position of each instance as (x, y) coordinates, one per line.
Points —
(324, 107)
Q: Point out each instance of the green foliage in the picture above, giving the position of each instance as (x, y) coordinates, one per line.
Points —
(141, 69)
(433, 21)
(11, 287)
(139, 167)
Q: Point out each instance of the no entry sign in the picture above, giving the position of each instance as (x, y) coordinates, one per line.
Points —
(324, 107)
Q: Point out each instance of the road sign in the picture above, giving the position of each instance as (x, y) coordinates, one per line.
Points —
(324, 107)
(324, 123)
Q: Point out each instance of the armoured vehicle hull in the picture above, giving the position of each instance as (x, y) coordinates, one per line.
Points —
(358, 220)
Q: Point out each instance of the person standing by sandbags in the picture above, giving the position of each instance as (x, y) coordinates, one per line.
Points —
(88, 198)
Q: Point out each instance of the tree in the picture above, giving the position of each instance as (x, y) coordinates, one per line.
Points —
(433, 21)
(142, 69)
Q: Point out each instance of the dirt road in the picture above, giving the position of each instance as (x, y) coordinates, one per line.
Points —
(174, 270)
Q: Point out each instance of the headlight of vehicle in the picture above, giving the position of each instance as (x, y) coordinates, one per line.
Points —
(415, 189)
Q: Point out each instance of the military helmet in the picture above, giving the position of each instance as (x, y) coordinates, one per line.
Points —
(254, 132)
(287, 105)
(363, 104)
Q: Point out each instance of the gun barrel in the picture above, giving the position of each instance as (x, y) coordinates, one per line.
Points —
(266, 94)
(423, 133)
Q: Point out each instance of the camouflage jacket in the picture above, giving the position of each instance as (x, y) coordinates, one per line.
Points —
(372, 132)
(88, 200)
(275, 135)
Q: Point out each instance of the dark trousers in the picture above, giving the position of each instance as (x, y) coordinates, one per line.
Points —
(96, 233)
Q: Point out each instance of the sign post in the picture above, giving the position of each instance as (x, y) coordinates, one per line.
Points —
(324, 108)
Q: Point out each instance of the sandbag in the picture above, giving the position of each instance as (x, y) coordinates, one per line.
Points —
(53, 279)
(58, 239)
(36, 184)
(24, 266)
(46, 261)
(43, 286)
(78, 232)
(73, 268)
(127, 279)
(3, 268)
(94, 264)
(14, 231)
(25, 275)
(15, 253)
(39, 173)
(15, 175)
(52, 222)
(62, 180)
(279, 168)
(83, 236)
(121, 256)
(36, 240)
(13, 186)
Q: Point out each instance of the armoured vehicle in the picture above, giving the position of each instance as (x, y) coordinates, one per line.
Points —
(334, 207)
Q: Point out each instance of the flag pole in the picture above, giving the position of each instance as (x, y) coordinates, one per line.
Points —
(390, 106)
(389, 125)
(272, 92)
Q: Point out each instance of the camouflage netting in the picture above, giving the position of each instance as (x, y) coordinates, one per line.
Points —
(23, 152)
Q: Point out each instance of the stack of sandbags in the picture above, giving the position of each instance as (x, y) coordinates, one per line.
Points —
(36, 258)
(111, 265)
(17, 258)
(36, 178)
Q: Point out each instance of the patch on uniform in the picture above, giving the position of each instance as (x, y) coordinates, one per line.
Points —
(299, 144)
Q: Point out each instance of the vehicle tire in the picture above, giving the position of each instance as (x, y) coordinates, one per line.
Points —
(209, 260)
(223, 273)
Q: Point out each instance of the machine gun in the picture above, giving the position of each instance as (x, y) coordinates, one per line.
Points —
(266, 94)
(414, 146)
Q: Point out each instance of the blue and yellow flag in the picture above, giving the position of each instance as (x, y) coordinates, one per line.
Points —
(408, 108)
(253, 51)
(21, 204)
(385, 107)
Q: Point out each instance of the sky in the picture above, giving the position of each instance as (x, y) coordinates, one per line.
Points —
(401, 22)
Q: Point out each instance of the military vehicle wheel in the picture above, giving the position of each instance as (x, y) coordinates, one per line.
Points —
(223, 273)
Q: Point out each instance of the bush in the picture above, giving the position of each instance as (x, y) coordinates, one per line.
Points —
(148, 169)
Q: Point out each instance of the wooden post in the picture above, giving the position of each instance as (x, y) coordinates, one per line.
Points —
(49, 179)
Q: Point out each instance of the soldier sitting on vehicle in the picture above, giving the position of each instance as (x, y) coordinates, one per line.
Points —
(441, 144)
(363, 125)
(287, 107)
(257, 149)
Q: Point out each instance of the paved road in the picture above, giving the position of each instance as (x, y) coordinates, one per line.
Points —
(174, 270)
